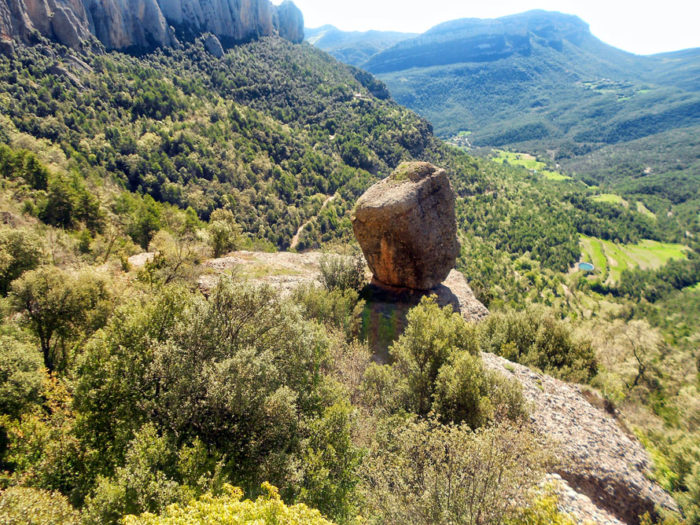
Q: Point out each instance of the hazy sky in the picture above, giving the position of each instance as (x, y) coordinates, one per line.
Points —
(641, 26)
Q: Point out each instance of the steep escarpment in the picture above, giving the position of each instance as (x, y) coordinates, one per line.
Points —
(145, 24)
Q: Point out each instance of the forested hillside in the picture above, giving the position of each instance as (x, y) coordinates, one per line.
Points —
(130, 388)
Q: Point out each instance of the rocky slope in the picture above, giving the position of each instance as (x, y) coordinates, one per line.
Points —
(596, 457)
(144, 24)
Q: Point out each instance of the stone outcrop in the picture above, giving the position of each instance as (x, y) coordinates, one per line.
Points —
(596, 457)
(290, 22)
(213, 45)
(129, 24)
(145, 24)
(65, 21)
(406, 227)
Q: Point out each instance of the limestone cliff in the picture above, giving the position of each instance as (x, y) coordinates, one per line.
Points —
(145, 24)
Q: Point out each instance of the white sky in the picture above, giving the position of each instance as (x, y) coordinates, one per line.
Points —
(641, 26)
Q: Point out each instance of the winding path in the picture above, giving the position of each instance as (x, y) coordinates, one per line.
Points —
(295, 239)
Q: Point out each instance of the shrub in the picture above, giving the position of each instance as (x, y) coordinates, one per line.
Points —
(232, 509)
(142, 484)
(342, 272)
(426, 472)
(339, 308)
(28, 506)
(534, 337)
(465, 392)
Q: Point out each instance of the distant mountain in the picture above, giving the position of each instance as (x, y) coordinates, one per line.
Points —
(541, 82)
(353, 47)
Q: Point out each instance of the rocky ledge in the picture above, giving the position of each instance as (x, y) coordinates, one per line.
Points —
(597, 458)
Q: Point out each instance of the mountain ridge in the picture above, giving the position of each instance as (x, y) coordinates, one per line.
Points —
(142, 25)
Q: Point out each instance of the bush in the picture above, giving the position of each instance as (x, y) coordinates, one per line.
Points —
(544, 510)
(27, 506)
(535, 338)
(337, 308)
(438, 370)
(342, 272)
(465, 392)
(142, 484)
(232, 509)
(426, 472)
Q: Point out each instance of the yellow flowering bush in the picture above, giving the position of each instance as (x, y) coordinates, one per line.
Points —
(232, 509)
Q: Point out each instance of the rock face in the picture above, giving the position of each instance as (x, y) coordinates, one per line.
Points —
(145, 24)
(597, 458)
(213, 45)
(406, 227)
(124, 24)
(65, 21)
(290, 22)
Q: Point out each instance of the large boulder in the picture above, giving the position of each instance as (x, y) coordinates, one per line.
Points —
(406, 227)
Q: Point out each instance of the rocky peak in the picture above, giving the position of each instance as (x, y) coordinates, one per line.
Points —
(145, 24)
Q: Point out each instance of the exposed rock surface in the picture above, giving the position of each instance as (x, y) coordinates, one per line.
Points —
(597, 458)
(145, 24)
(406, 227)
(65, 21)
(213, 45)
(290, 22)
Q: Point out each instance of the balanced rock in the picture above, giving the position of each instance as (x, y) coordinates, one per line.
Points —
(406, 227)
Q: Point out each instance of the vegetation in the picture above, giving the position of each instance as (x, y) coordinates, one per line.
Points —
(232, 509)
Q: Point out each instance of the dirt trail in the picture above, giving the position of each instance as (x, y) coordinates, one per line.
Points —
(295, 239)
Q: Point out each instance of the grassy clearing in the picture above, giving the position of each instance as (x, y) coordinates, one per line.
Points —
(645, 211)
(529, 162)
(611, 259)
(610, 198)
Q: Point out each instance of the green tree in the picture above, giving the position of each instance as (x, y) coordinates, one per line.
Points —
(21, 375)
(20, 250)
(224, 233)
(240, 370)
(60, 307)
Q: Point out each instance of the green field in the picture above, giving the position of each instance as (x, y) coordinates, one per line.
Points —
(611, 259)
(529, 162)
(609, 198)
